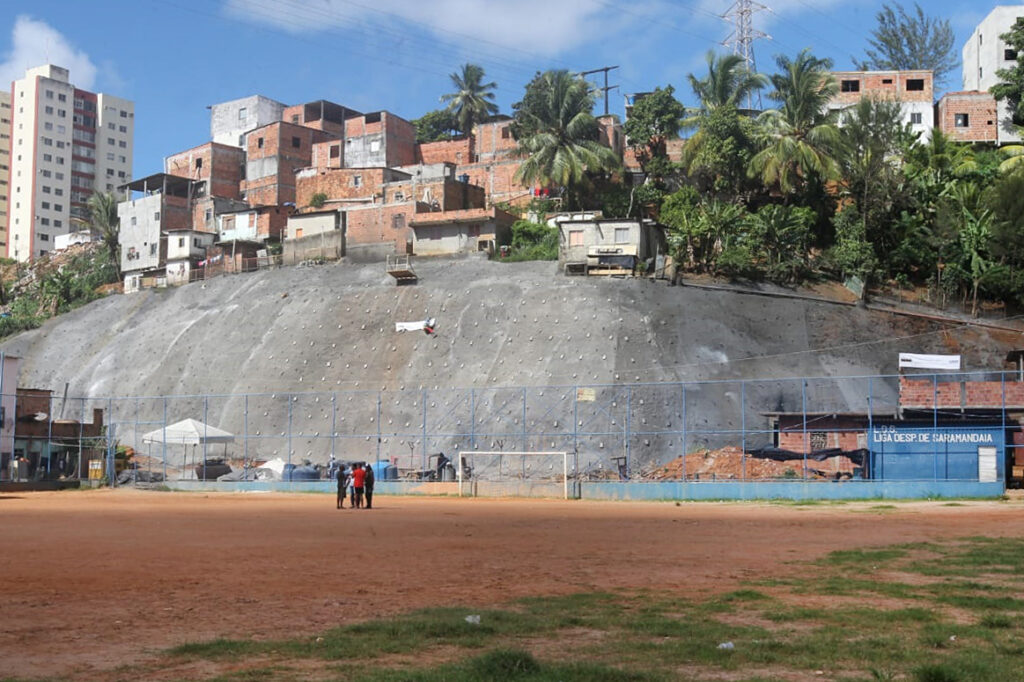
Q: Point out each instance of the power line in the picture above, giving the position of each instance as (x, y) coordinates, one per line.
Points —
(743, 35)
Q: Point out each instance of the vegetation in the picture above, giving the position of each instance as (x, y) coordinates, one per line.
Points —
(904, 41)
(104, 221)
(920, 612)
(318, 200)
(558, 135)
(473, 100)
(533, 241)
(435, 126)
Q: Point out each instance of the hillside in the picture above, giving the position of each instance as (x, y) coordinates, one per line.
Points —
(331, 328)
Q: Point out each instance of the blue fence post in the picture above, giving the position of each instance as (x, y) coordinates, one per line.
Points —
(743, 429)
(164, 439)
(868, 466)
(683, 387)
(423, 455)
(803, 408)
(1001, 456)
(379, 411)
(334, 424)
(245, 438)
(935, 426)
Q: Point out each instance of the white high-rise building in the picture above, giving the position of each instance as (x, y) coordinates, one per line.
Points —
(66, 143)
(984, 53)
(5, 164)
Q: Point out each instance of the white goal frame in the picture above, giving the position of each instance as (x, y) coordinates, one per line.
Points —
(461, 457)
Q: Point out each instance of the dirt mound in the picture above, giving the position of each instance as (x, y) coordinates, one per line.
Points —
(729, 464)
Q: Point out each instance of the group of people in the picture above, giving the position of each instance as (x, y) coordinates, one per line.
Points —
(357, 482)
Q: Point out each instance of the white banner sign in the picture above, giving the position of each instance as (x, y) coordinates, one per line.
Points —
(916, 361)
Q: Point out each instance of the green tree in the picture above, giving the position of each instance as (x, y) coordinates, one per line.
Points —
(103, 220)
(727, 84)
(561, 144)
(533, 241)
(1011, 85)
(716, 157)
(869, 153)
(654, 119)
(473, 100)
(701, 231)
(904, 41)
(780, 237)
(799, 137)
(435, 126)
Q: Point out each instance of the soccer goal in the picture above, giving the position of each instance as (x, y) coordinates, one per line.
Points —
(536, 466)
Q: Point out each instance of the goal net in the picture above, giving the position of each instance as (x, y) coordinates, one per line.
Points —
(534, 466)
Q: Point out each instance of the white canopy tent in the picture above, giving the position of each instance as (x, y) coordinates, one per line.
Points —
(188, 432)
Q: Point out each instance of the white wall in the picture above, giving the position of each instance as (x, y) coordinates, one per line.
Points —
(140, 233)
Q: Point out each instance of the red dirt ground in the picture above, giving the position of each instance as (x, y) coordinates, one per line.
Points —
(97, 579)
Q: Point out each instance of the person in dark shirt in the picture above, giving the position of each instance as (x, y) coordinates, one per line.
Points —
(368, 486)
(342, 484)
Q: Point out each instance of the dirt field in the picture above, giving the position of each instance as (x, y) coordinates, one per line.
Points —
(97, 579)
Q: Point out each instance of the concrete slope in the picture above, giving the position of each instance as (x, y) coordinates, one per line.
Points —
(318, 331)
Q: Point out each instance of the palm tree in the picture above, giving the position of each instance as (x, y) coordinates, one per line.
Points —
(728, 82)
(561, 146)
(104, 221)
(473, 100)
(800, 136)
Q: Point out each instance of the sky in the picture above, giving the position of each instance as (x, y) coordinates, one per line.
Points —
(174, 58)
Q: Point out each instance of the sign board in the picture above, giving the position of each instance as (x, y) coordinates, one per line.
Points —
(586, 395)
(918, 361)
(917, 453)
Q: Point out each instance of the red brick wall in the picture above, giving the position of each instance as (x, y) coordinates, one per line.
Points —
(840, 432)
(338, 184)
(400, 140)
(922, 393)
(494, 140)
(872, 85)
(498, 180)
(220, 165)
(278, 139)
(980, 108)
(322, 158)
(375, 225)
(451, 151)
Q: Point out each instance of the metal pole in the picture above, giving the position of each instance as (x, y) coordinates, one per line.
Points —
(575, 419)
(935, 425)
(683, 387)
(743, 429)
(1001, 457)
(423, 450)
(164, 439)
(291, 470)
(626, 430)
(378, 423)
(245, 434)
(525, 447)
(869, 464)
(49, 434)
(472, 419)
(803, 409)
(206, 431)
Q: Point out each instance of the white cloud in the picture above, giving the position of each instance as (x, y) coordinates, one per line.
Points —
(541, 27)
(34, 43)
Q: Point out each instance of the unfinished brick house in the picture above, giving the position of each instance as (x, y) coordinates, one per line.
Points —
(968, 116)
(273, 154)
(913, 89)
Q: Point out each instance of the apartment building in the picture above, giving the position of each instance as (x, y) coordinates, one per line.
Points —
(983, 55)
(230, 121)
(65, 144)
(968, 116)
(914, 90)
(5, 164)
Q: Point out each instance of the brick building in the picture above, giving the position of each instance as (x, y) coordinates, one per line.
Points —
(913, 89)
(273, 154)
(968, 116)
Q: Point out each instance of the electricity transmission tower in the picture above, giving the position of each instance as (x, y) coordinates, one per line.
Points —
(741, 40)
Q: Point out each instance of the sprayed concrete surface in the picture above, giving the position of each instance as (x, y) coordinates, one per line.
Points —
(332, 328)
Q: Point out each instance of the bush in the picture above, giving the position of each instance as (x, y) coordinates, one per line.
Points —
(318, 200)
(533, 241)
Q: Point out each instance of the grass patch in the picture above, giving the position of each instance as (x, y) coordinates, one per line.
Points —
(654, 636)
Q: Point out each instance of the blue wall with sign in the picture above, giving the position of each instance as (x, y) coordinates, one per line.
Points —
(946, 453)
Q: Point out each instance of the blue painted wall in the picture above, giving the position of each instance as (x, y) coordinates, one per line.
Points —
(920, 453)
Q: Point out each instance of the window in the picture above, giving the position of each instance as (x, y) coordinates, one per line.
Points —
(57, 223)
(134, 221)
(61, 144)
(46, 174)
(398, 221)
(209, 215)
(335, 151)
(60, 162)
(961, 120)
(43, 237)
(62, 128)
(357, 180)
(46, 205)
(295, 118)
(819, 440)
(62, 113)
(915, 119)
(152, 249)
(1010, 55)
(44, 221)
(850, 86)
(575, 238)
(296, 142)
(621, 235)
(49, 94)
(122, 129)
(57, 191)
(110, 156)
(47, 142)
(259, 142)
(243, 113)
(199, 163)
(58, 207)
(915, 84)
(47, 126)
(981, 71)
(886, 81)
(46, 189)
(112, 126)
(124, 114)
(110, 141)
(196, 243)
(181, 242)
(122, 158)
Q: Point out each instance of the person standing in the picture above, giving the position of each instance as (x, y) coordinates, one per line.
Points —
(342, 484)
(358, 479)
(368, 486)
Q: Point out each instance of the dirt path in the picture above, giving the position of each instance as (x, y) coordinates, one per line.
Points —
(97, 579)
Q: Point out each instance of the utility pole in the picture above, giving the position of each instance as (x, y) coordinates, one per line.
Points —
(606, 88)
(741, 40)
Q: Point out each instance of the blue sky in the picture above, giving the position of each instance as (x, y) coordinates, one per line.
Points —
(176, 57)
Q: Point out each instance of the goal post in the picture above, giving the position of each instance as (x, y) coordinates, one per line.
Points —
(504, 465)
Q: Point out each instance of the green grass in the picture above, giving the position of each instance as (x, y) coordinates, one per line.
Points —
(874, 627)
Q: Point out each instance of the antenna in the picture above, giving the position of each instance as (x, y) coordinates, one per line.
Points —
(743, 35)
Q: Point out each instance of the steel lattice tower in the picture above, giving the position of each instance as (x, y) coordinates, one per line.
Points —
(743, 35)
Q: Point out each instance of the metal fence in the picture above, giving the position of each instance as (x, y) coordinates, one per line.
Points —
(822, 428)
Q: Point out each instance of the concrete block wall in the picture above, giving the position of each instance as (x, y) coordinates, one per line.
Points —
(458, 151)
(220, 165)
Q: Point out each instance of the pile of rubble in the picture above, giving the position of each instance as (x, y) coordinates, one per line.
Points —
(729, 463)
